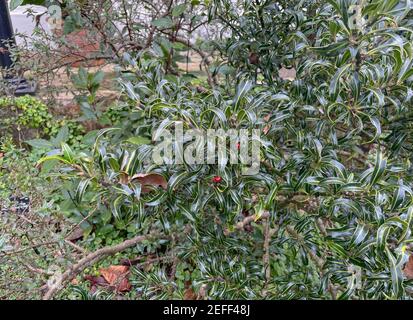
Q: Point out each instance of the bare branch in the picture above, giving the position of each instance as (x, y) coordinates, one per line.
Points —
(89, 260)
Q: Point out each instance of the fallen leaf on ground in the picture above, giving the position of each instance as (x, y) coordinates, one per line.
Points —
(189, 293)
(117, 276)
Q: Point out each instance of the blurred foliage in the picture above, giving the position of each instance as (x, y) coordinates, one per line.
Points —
(25, 111)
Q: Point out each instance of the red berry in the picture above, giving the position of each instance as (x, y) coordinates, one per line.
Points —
(217, 179)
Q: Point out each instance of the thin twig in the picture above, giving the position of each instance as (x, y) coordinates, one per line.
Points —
(34, 246)
(246, 221)
(75, 246)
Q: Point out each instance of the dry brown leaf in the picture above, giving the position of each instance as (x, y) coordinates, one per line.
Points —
(254, 58)
(124, 285)
(112, 273)
(268, 126)
(124, 178)
(408, 268)
(190, 294)
(150, 180)
(117, 276)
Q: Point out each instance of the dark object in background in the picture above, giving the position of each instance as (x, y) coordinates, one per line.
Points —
(6, 35)
(19, 85)
(20, 204)
(254, 58)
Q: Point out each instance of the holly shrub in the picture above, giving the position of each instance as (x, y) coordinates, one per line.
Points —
(328, 215)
